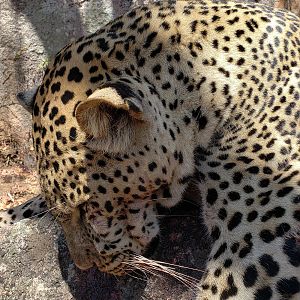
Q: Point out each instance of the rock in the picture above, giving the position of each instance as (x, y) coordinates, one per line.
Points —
(35, 263)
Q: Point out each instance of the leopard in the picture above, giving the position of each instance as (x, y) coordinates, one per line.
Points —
(169, 94)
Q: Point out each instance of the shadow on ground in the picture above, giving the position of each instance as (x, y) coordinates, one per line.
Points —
(182, 242)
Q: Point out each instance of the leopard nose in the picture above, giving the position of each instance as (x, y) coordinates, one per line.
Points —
(83, 265)
(151, 247)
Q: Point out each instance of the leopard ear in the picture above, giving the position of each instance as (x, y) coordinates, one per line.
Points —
(110, 115)
(26, 99)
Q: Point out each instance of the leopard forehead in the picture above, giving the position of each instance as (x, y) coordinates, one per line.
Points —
(170, 82)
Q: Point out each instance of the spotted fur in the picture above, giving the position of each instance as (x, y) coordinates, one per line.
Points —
(168, 94)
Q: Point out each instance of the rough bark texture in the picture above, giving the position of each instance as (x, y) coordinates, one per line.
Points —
(34, 260)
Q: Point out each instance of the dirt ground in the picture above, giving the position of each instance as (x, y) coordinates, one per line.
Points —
(18, 176)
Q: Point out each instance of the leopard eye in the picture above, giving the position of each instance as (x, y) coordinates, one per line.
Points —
(97, 221)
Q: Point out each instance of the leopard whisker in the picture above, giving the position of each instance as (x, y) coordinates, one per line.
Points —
(179, 266)
(191, 202)
(135, 277)
(171, 216)
(155, 268)
(144, 273)
(42, 213)
(158, 263)
(143, 269)
(180, 277)
(133, 270)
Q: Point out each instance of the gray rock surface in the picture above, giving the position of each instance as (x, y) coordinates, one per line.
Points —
(35, 263)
